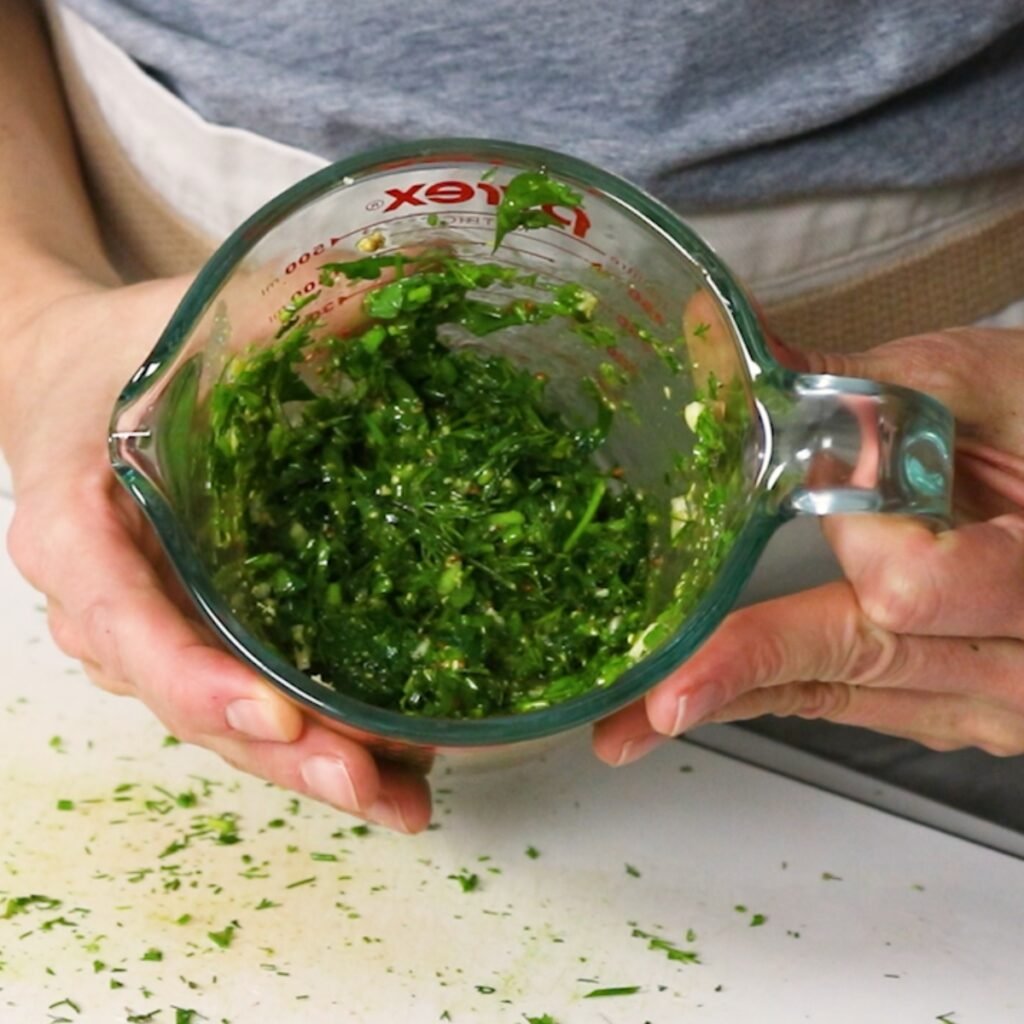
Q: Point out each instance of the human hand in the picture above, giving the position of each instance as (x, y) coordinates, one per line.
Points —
(112, 600)
(924, 639)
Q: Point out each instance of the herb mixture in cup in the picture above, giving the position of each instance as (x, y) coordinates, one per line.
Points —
(463, 444)
(414, 521)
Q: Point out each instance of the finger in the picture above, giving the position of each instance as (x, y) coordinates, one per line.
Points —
(949, 366)
(990, 482)
(941, 721)
(963, 582)
(118, 687)
(709, 341)
(822, 634)
(625, 736)
(338, 771)
(65, 631)
(131, 629)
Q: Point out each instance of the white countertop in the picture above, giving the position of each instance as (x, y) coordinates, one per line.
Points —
(867, 917)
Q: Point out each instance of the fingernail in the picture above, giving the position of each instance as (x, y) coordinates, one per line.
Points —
(388, 813)
(633, 750)
(328, 779)
(255, 718)
(691, 708)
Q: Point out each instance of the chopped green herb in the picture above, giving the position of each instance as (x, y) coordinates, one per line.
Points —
(532, 852)
(171, 741)
(621, 990)
(183, 1016)
(467, 879)
(487, 990)
(670, 949)
(301, 881)
(324, 856)
(65, 805)
(757, 920)
(522, 205)
(265, 904)
(544, 1018)
(827, 876)
(184, 919)
(152, 954)
(360, 830)
(224, 937)
(70, 1004)
(632, 871)
(22, 904)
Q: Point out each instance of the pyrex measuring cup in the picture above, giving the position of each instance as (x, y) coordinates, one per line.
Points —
(682, 333)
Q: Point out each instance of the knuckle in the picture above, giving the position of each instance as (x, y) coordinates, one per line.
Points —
(823, 700)
(41, 544)
(64, 634)
(766, 654)
(875, 655)
(988, 732)
(23, 547)
(893, 599)
(943, 744)
(937, 363)
(116, 687)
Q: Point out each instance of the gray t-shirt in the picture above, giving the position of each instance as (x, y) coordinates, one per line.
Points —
(703, 102)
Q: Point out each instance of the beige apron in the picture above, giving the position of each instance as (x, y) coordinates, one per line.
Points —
(834, 273)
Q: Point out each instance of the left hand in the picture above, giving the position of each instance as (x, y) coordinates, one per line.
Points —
(924, 638)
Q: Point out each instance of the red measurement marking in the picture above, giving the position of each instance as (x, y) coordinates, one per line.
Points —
(646, 304)
(300, 261)
(622, 360)
(306, 289)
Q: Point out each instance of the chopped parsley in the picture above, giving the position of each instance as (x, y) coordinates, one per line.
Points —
(522, 206)
(620, 990)
(468, 880)
(670, 949)
(224, 937)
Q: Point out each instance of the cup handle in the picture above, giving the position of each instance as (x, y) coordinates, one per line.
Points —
(840, 444)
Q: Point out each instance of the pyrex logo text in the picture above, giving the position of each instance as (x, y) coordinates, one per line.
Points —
(451, 193)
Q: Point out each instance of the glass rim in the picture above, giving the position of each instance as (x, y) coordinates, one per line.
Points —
(395, 725)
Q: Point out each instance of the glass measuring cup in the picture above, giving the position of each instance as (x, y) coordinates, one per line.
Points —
(686, 345)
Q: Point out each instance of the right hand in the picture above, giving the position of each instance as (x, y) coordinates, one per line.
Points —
(112, 599)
